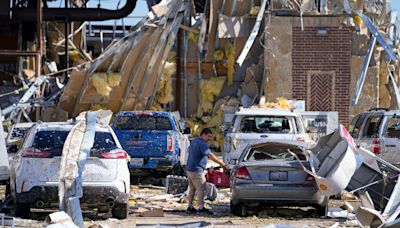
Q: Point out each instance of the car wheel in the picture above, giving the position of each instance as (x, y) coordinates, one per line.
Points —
(322, 210)
(120, 211)
(238, 209)
(177, 170)
(22, 210)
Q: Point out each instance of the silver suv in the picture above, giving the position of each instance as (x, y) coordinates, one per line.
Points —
(378, 130)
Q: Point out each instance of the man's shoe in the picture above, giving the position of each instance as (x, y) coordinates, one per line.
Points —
(203, 210)
(191, 210)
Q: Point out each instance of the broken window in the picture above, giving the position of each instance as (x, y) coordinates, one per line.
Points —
(393, 127)
(142, 123)
(371, 129)
(53, 142)
(355, 125)
(265, 124)
(275, 151)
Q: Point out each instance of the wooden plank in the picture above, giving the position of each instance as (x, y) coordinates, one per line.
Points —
(155, 61)
(136, 76)
(159, 72)
(130, 62)
(206, 69)
(99, 64)
(129, 99)
(213, 24)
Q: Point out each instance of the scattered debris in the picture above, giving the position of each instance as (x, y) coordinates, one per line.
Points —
(59, 219)
(153, 212)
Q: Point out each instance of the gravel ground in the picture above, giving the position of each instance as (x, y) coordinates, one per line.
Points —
(174, 213)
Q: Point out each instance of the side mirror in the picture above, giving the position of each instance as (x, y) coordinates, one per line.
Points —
(187, 130)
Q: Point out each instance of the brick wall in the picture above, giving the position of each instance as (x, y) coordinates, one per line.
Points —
(331, 53)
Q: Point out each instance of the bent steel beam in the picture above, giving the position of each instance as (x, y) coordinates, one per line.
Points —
(74, 14)
(364, 69)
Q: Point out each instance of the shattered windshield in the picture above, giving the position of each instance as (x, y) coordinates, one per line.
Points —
(19, 132)
(139, 122)
(265, 124)
(274, 151)
(53, 141)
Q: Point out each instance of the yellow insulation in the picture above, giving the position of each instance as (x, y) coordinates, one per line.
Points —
(214, 120)
(209, 89)
(254, 10)
(164, 93)
(219, 55)
(113, 79)
(193, 37)
(74, 55)
(280, 103)
(100, 82)
(358, 20)
(156, 107)
(194, 126)
(230, 62)
(95, 107)
(103, 82)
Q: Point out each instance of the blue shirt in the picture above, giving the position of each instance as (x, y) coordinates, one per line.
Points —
(198, 156)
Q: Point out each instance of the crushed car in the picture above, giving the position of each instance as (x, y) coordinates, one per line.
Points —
(262, 124)
(35, 171)
(269, 174)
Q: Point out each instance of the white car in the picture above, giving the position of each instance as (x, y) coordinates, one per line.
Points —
(35, 171)
(256, 125)
(378, 130)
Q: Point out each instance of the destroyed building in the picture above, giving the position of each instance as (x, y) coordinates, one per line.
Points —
(232, 53)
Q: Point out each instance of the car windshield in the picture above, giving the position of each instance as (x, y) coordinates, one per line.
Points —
(265, 124)
(274, 151)
(53, 141)
(142, 122)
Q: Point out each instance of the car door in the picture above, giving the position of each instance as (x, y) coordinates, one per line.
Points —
(355, 126)
(390, 142)
(370, 130)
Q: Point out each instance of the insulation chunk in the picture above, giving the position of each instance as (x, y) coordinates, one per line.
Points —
(209, 89)
(100, 82)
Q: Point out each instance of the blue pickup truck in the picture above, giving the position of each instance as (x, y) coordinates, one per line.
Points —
(154, 141)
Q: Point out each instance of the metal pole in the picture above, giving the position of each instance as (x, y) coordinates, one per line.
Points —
(39, 20)
(178, 71)
(66, 61)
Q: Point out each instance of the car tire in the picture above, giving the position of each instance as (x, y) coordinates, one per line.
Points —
(322, 210)
(22, 210)
(178, 170)
(238, 209)
(120, 211)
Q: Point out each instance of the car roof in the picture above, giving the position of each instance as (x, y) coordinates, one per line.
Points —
(382, 111)
(265, 111)
(149, 113)
(23, 125)
(65, 126)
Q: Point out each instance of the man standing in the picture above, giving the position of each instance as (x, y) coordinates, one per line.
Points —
(199, 152)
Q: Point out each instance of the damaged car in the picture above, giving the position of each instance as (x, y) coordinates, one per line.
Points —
(269, 174)
(263, 124)
(35, 171)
